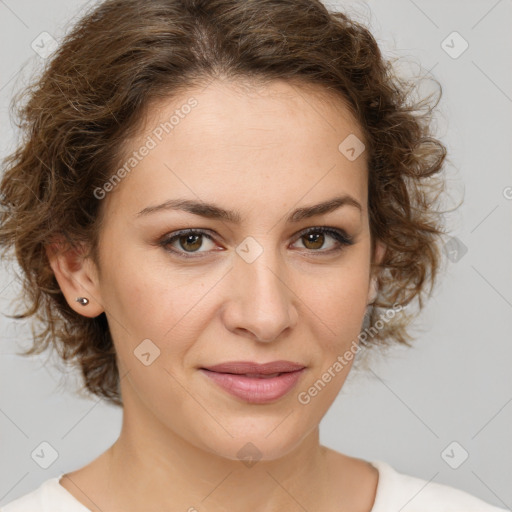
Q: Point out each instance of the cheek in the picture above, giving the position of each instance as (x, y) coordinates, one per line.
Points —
(132, 287)
(149, 302)
(338, 298)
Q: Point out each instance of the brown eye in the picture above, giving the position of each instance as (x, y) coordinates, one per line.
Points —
(192, 242)
(314, 239)
(186, 242)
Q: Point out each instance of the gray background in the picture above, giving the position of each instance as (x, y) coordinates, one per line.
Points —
(455, 385)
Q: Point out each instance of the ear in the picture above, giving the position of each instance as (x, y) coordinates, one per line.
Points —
(77, 277)
(380, 250)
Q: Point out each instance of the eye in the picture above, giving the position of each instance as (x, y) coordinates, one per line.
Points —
(187, 242)
(314, 239)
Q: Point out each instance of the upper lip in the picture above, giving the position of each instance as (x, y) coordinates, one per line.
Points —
(243, 367)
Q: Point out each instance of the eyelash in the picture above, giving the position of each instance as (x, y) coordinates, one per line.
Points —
(340, 236)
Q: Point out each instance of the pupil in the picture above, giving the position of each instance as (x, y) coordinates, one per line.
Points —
(315, 237)
(190, 237)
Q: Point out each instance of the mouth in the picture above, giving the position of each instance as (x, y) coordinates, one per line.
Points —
(256, 383)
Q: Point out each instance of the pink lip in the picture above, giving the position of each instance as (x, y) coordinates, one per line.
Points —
(258, 390)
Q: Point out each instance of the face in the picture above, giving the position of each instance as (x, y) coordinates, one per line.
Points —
(263, 284)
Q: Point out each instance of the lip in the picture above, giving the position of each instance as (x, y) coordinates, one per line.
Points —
(244, 367)
(253, 389)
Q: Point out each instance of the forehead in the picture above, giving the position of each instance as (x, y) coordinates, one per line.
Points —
(239, 105)
(279, 137)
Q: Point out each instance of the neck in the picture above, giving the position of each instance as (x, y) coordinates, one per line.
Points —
(167, 471)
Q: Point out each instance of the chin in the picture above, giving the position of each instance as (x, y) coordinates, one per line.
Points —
(263, 444)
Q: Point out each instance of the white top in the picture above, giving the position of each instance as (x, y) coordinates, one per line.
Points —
(395, 492)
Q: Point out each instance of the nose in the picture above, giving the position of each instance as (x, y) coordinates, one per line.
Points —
(261, 303)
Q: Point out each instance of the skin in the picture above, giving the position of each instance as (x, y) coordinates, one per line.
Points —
(263, 151)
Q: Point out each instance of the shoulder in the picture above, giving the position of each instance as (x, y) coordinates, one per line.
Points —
(397, 491)
(50, 496)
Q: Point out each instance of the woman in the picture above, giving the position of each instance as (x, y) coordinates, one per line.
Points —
(214, 197)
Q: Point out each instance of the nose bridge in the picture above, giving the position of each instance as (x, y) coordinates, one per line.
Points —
(264, 300)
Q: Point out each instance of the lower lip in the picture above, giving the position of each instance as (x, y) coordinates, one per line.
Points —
(253, 389)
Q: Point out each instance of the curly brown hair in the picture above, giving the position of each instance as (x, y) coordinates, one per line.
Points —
(123, 55)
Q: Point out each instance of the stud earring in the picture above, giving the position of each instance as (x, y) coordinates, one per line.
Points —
(82, 300)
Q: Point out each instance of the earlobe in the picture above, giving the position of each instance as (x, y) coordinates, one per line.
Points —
(77, 278)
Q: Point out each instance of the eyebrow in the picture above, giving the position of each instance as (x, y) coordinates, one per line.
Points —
(213, 211)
